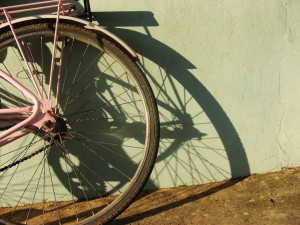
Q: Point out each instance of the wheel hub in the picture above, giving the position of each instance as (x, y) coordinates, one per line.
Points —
(55, 131)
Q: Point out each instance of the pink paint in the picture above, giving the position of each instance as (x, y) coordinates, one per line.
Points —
(41, 109)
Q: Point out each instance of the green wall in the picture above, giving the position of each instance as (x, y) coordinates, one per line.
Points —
(225, 75)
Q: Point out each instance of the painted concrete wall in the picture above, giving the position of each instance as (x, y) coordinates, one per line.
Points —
(225, 74)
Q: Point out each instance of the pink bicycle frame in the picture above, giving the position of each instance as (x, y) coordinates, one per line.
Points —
(32, 117)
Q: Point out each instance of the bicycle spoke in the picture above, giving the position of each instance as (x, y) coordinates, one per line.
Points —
(37, 186)
(99, 151)
(15, 160)
(7, 92)
(74, 79)
(80, 77)
(66, 71)
(17, 149)
(26, 188)
(24, 69)
(101, 119)
(67, 152)
(81, 91)
(88, 102)
(53, 191)
(71, 190)
(97, 155)
(99, 108)
(101, 144)
(33, 65)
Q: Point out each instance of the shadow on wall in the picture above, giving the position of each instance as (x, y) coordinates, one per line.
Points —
(198, 141)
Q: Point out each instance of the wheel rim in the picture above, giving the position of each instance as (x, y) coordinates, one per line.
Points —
(110, 138)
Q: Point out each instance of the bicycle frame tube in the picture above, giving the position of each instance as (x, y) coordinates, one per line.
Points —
(41, 104)
(30, 7)
(54, 51)
(23, 53)
(30, 66)
(39, 112)
(34, 110)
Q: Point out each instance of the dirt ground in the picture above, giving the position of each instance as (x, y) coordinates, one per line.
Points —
(272, 198)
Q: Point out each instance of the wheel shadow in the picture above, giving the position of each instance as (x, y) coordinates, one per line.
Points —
(182, 101)
(177, 67)
(195, 130)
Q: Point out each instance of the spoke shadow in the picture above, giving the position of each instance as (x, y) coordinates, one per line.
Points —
(199, 143)
(183, 131)
(176, 67)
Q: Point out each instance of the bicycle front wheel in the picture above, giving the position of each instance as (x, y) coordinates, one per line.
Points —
(103, 148)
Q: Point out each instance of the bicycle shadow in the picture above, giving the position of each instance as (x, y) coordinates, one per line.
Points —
(180, 131)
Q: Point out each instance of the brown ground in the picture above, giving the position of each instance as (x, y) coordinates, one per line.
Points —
(272, 198)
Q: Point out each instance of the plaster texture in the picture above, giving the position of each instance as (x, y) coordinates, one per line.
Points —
(225, 74)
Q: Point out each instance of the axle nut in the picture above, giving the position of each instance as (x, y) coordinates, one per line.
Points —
(47, 124)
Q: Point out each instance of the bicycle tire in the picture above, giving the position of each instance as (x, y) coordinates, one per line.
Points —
(129, 137)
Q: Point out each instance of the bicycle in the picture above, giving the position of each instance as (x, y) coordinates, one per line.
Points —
(79, 126)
